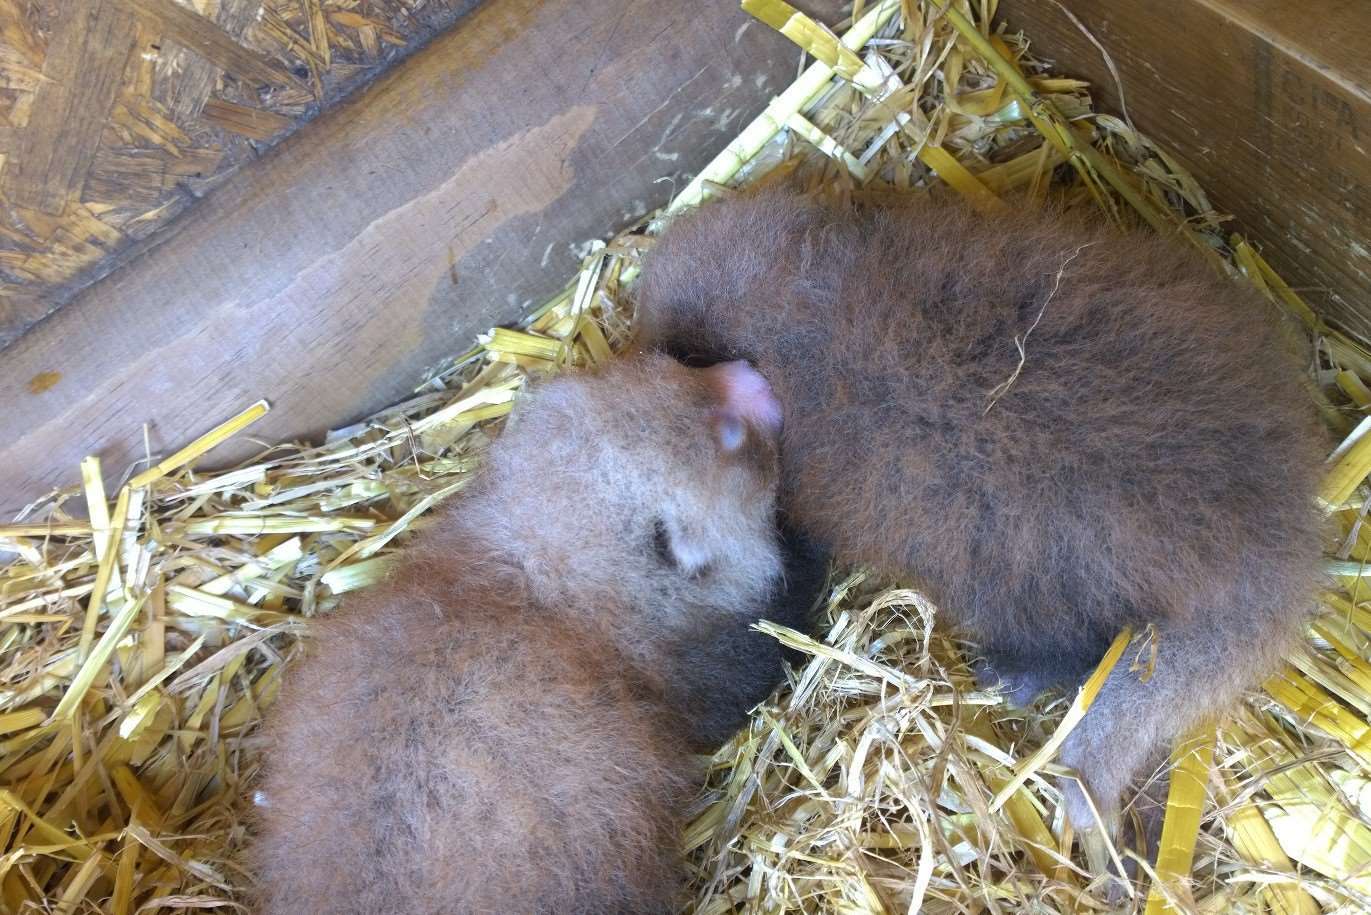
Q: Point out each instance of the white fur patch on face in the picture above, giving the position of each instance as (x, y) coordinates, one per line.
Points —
(692, 557)
(690, 553)
(746, 394)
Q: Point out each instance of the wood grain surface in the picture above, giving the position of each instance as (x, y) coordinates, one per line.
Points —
(118, 115)
(1269, 104)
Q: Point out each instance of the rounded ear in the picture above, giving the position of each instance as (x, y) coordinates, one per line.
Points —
(745, 394)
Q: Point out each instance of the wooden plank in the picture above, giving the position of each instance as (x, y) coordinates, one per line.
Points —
(85, 60)
(184, 78)
(133, 176)
(207, 38)
(1267, 102)
(448, 196)
(253, 123)
(17, 34)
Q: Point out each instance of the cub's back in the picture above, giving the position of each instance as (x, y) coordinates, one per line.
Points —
(433, 757)
(1148, 447)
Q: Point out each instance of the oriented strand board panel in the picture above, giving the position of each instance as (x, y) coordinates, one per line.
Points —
(450, 195)
(1268, 102)
(115, 115)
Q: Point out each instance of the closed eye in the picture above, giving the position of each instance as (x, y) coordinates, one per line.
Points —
(661, 543)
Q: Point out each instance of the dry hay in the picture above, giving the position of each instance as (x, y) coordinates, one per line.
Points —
(138, 649)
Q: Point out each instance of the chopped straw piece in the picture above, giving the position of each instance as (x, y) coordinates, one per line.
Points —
(204, 443)
(1190, 762)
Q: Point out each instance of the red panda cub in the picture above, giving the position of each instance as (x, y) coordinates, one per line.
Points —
(507, 724)
(1058, 428)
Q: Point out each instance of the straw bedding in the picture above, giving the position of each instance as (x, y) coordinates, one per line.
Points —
(139, 648)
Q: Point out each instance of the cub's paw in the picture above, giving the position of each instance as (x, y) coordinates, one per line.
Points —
(1020, 688)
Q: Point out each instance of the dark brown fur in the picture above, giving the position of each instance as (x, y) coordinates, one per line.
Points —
(506, 726)
(1154, 462)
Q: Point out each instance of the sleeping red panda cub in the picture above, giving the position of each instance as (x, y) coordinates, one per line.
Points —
(1057, 428)
(506, 725)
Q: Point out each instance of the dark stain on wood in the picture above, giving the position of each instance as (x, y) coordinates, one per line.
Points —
(43, 381)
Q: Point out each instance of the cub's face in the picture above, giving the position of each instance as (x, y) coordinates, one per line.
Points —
(649, 478)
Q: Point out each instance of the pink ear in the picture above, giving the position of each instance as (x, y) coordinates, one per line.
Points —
(746, 395)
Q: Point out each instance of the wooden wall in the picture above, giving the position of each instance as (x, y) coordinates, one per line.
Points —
(1268, 102)
(117, 115)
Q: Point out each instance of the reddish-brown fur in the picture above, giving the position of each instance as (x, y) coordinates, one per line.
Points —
(1154, 462)
(506, 725)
